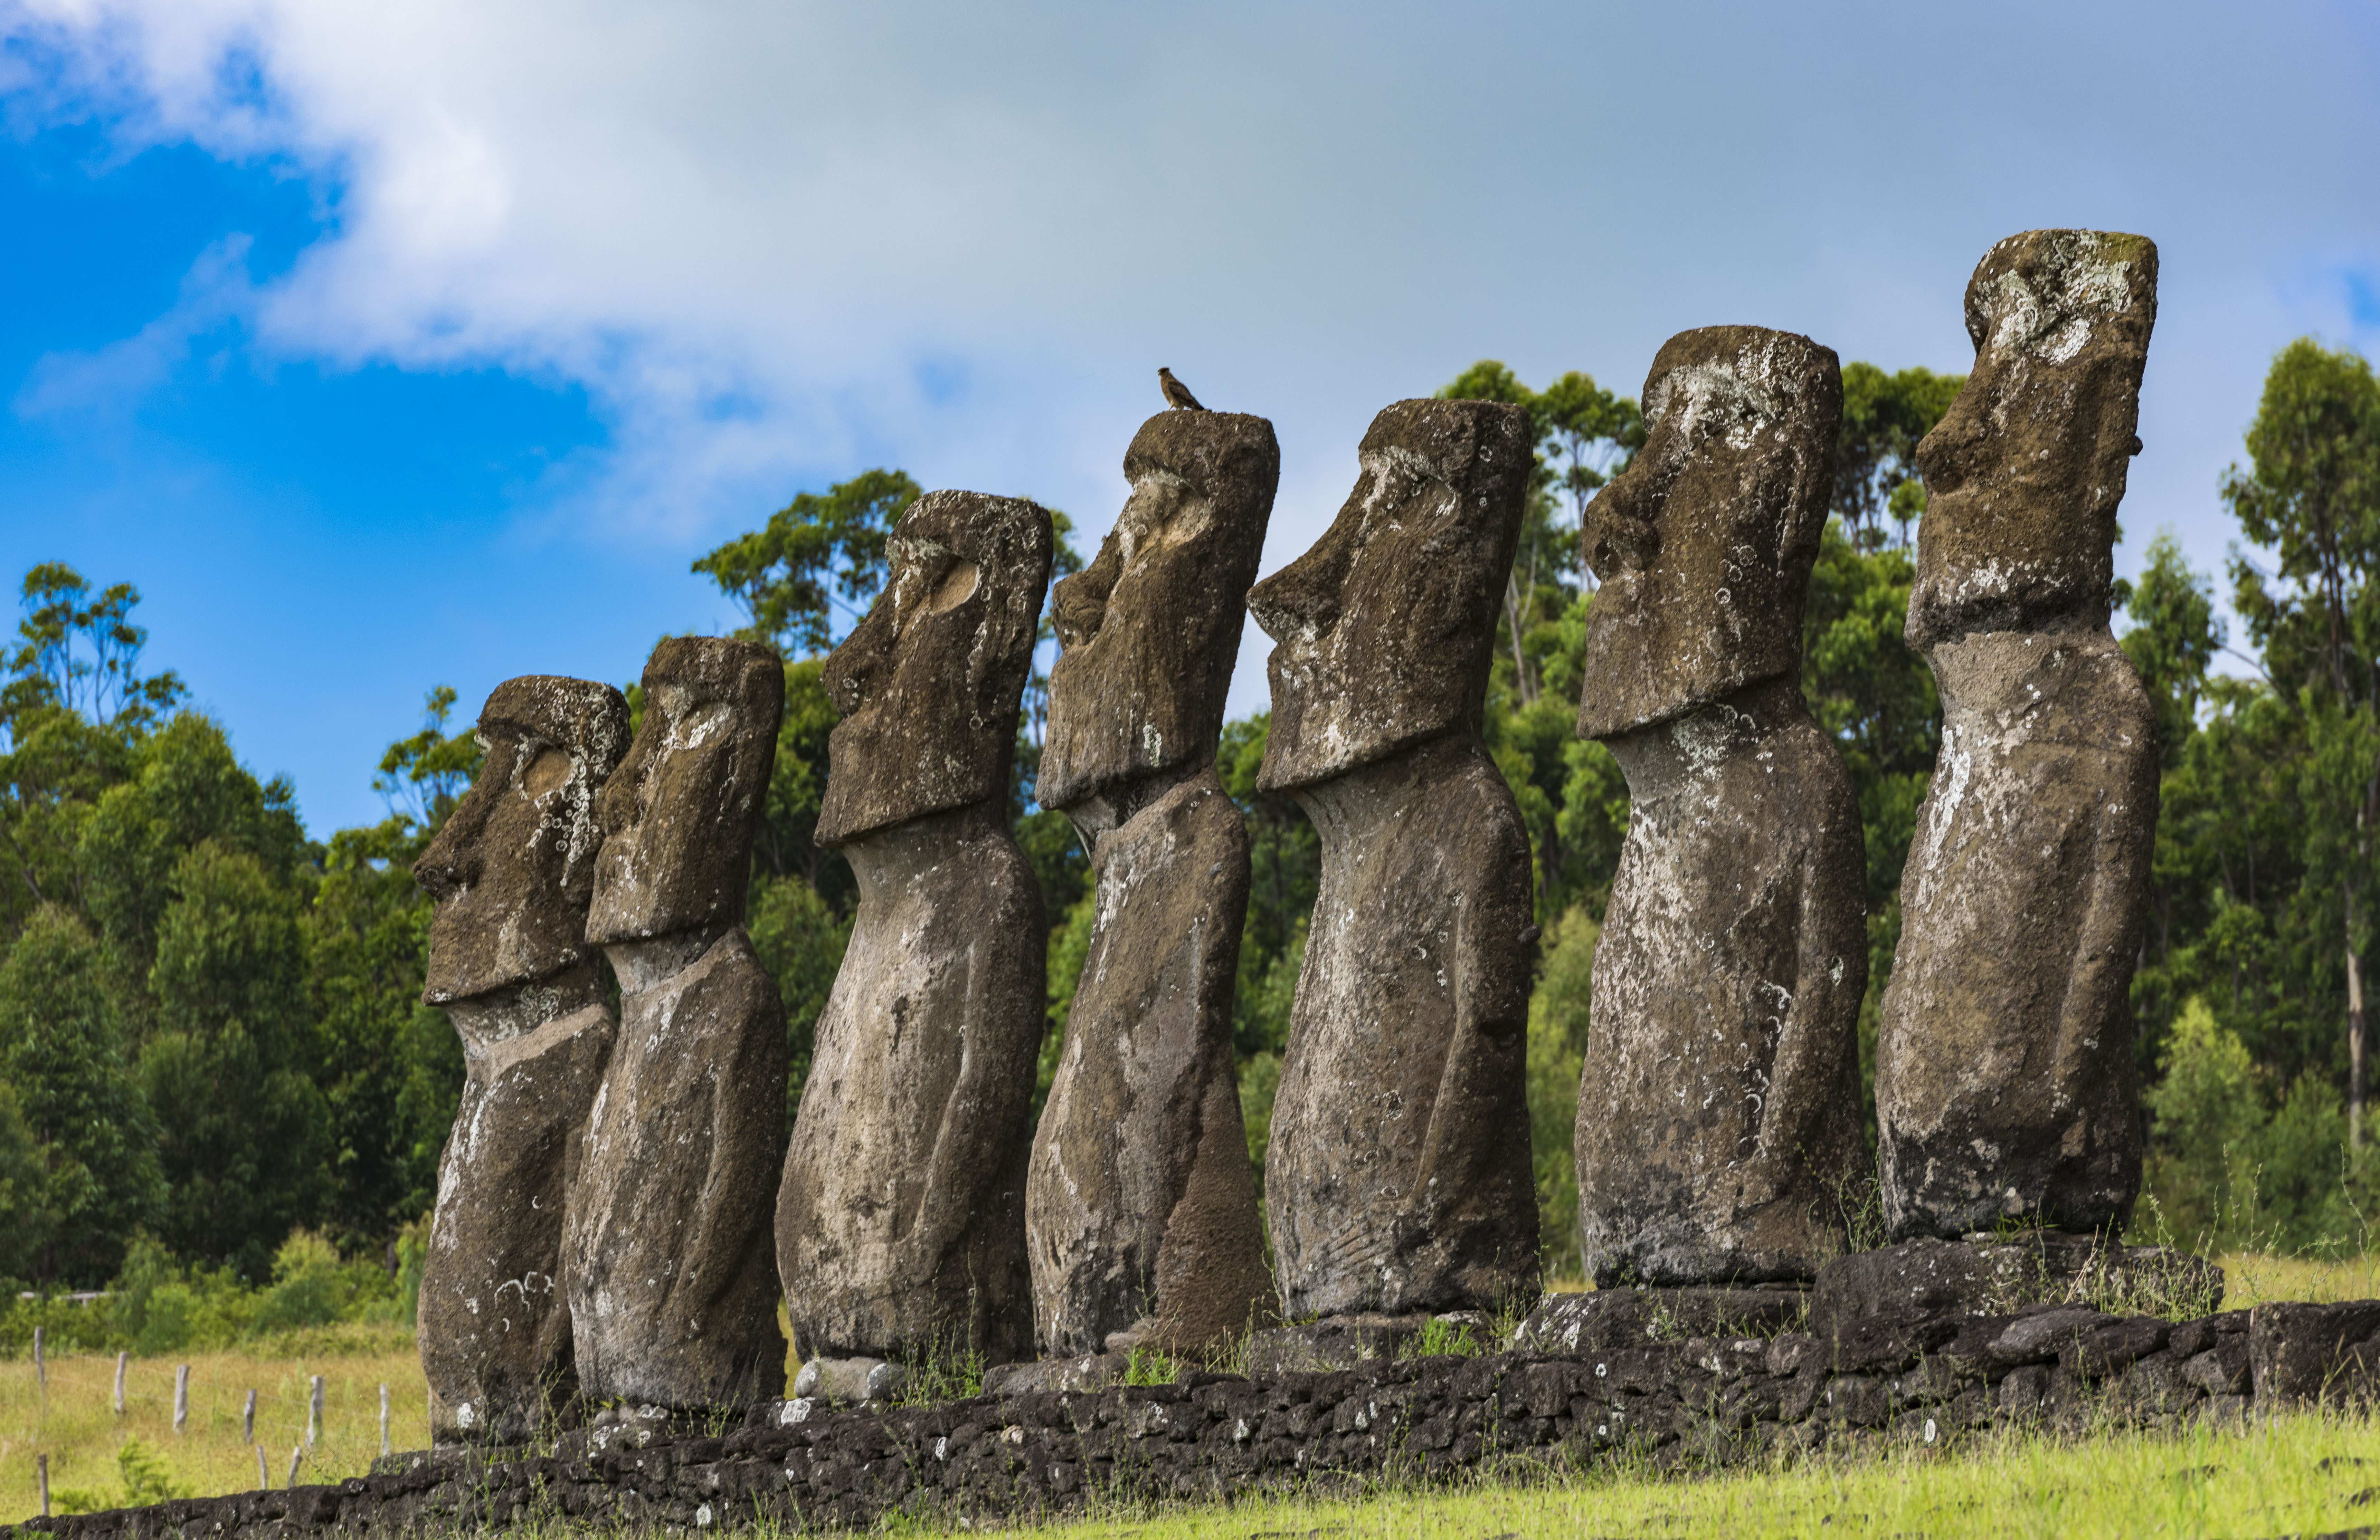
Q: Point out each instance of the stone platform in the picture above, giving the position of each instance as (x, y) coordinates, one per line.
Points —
(1912, 1377)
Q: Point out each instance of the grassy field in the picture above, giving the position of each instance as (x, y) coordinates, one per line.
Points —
(2267, 1481)
(2303, 1474)
(76, 1426)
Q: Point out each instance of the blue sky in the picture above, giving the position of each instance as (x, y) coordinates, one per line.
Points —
(388, 350)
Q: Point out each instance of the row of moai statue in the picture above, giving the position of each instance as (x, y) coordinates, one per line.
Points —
(604, 1217)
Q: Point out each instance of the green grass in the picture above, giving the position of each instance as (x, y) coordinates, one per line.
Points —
(2270, 1479)
(76, 1426)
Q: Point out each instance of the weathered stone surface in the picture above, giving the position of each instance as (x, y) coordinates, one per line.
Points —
(1719, 1107)
(1982, 1277)
(1385, 625)
(672, 1299)
(2303, 1352)
(929, 683)
(2005, 1081)
(1150, 629)
(1398, 1176)
(901, 1215)
(1141, 1203)
(494, 1322)
(511, 872)
(512, 868)
(1611, 1318)
(679, 814)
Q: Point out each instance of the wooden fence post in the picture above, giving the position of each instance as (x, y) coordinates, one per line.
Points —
(297, 1453)
(40, 1370)
(42, 1476)
(314, 1415)
(121, 1360)
(384, 1450)
(181, 1398)
(248, 1431)
(264, 1472)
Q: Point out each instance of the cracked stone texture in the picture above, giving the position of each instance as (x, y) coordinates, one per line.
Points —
(929, 683)
(673, 1296)
(1150, 629)
(495, 1336)
(1398, 1178)
(1718, 1104)
(511, 872)
(899, 1220)
(512, 868)
(1141, 1203)
(2005, 1083)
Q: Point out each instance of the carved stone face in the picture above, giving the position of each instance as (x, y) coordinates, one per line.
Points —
(929, 683)
(1386, 624)
(1151, 628)
(514, 866)
(2024, 473)
(679, 813)
(1703, 545)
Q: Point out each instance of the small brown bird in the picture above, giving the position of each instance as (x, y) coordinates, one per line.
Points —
(1177, 394)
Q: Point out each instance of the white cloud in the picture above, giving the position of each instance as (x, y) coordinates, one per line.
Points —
(758, 234)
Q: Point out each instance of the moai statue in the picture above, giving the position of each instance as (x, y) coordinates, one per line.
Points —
(900, 1218)
(511, 872)
(1141, 1205)
(2004, 1081)
(1718, 1111)
(672, 1296)
(1398, 1178)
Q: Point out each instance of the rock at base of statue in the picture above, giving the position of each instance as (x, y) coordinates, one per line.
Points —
(672, 1280)
(495, 1323)
(849, 1381)
(1985, 1275)
(1141, 1204)
(1343, 1341)
(1398, 1178)
(2005, 1084)
(1713, 1140)
(1093, 1372)
(1608, 1319)
(900, 1229)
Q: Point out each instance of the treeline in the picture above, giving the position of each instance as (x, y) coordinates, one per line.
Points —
(210, 1036)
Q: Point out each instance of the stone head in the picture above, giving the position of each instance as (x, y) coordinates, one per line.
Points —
(928, 683)
(679, 813)
(2024, 473)
(1704, 544)
(512, 868)
(1150, 629)
(1385, 626)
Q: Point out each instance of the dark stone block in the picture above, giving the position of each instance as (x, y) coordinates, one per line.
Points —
(1607, 1319)
(2303, 1352)
(1982, 1276)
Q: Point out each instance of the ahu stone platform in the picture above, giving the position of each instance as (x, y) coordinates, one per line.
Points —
(1910, 1379)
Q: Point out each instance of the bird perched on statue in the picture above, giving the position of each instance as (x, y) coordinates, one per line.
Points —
(1177, 394)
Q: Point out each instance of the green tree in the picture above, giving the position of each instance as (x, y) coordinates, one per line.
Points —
(1884, 417)
(2312, 495)
(186, 788)
(62, 1046)
(29, 1216)
(231, 1069)
(821, 553)
(83, 653)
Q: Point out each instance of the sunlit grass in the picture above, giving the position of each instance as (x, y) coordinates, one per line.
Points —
(75, 1424)
(2268, 1479)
